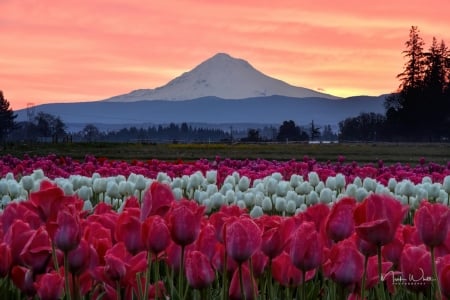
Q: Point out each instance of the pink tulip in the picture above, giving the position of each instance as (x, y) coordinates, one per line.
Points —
(36, 253)
(249, 285)
(243, 238)
(185, 218)
(339, 224)
(155, 234)
(306, 247)
(199, 272)
(377, 218)
(432, 222)
(128, 230)
(286, 274)
(50, 286)
(157, 200)
(68, 233)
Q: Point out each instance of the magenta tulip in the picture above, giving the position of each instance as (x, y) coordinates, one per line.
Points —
(243, 238)
(432, 222)
(49, 286)
(249, 285)
(306, 249)
(155, 234)
(185, 218)
(128, 230)
(199, 272)
(339, 224)
(415, 266)
(377, 218)
(68, 233)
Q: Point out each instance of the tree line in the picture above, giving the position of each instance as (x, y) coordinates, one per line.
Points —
(420, 109)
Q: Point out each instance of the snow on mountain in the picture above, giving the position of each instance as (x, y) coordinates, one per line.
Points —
(221, 76)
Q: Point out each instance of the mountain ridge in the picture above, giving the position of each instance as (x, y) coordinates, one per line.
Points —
(222, 76)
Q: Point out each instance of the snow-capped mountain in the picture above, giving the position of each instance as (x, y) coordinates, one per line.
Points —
(224, 77)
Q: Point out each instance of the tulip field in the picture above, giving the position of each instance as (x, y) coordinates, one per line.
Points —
(99, 228)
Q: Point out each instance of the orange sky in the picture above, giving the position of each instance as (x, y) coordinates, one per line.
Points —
(66, 51)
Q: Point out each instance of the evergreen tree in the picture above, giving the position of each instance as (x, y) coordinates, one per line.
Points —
(7, 117)
(412, 76)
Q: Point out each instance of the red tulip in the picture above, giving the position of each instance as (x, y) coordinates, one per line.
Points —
(199, 272)
(6, 259)
(443, 266)
(218, 260)
(345, 264)
(36, 253)
(128, 230)
(249, 285)
(99, 237)
(243, 238)
(155, 234)
(432, 222)
(218, 219)
(49, 286)
(17, 236)
(185, 218)
(339, 224)
(68, 233)
(392, 251)
(206, 242)
(372, 276)
(23, 280)
(157, 200)
(116, 260)
(378, 217)
(80, 258)
(306, 247)
(273, 241)
(415, 265)
(286, 274)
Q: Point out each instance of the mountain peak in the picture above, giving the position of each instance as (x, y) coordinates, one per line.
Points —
(221, 76)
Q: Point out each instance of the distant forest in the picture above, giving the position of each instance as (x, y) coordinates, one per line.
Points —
(419, 111)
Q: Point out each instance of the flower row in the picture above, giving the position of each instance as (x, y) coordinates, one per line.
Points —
(161, 247)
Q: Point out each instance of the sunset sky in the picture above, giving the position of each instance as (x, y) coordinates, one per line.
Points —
(67, 51)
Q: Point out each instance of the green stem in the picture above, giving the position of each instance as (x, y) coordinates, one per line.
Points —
(379, 263)
(180, 274)
(251, 278)
(303, 284)
(118, 290)
(363, 283)
(55, 258)
(66, 277)
(147, 274)
(436, 281)
(225, 277)
(241, 282)
(156, 279)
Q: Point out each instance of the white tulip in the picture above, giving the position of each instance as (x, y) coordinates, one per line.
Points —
(241, 204)
(304, 188)
(280, 204)
(87, 206)
(85, 193)
(211, 176)
(312, 198)
(4, 187)
(217, 200)
(230, 197)
(211, 189)
(277, 176)
(313, 178)
(38, 174)
(392, 183)
(361, 194)
(320, 187)
(140, 183)
(244, 183)
(178, 193)
(446, 184)
(426, 179)
(326, 195)
(291, 206)
(256, 212)
(112, 190)
(27, 183)
(267, 204)
(331, 183)
(351, 190)
(249, 199)
(99, 185)
(357, 181)
(271, 185)
(369, 184)
(282, 188)
(340, 181)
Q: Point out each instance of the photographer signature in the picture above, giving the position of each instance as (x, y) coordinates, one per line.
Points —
(399, 279)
